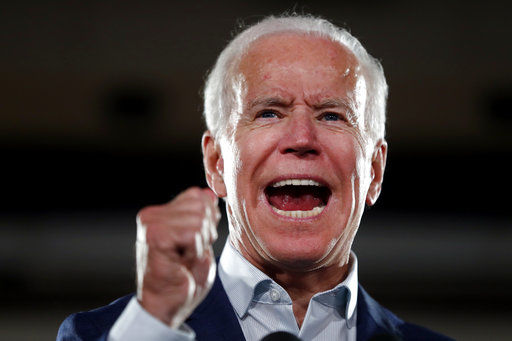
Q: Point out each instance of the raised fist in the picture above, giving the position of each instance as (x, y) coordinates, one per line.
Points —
(175, 261)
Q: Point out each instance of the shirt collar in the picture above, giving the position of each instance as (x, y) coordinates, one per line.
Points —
(239, 278)
(244, 282)
(343, 297)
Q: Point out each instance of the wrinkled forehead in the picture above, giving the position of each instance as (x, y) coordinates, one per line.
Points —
(290, 48)
(291, 64)
(297, 42)
(300, 62)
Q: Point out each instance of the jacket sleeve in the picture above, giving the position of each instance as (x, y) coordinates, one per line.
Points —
(78, 327)
(92, 325)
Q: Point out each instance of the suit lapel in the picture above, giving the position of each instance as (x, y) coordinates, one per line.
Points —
(373, 321)
(214, 318)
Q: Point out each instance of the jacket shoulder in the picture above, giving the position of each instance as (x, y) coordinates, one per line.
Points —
(375, 322)
(94, 324)
(215, 318)
(412, 331)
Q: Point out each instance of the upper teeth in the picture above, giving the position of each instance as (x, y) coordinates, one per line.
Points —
(296, 182)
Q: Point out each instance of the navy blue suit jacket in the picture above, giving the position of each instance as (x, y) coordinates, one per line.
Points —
(215, 319)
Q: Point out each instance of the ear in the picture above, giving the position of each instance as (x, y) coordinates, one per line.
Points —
(377, 171)
(213, 164)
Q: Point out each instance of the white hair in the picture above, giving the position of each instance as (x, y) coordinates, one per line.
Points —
(223, 81)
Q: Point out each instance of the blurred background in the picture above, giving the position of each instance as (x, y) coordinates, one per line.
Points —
(100, 115)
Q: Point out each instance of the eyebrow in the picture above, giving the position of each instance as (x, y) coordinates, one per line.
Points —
(270, 101)
(333, 103)
(281, 102)
(339, 103)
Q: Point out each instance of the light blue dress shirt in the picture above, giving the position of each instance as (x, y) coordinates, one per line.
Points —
(261, 305)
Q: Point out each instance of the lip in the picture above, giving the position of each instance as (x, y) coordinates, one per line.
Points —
(318, 179)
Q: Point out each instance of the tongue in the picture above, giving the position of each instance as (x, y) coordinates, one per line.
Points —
(294, 199)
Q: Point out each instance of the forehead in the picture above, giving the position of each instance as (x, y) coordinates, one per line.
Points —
(299, 61)
(282, 46)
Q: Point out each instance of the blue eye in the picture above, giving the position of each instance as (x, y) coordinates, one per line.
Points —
(331, 117)
(267, 114)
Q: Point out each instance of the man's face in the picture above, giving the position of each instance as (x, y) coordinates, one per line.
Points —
(297, 166)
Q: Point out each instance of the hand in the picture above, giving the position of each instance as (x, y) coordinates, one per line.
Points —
(175, 261)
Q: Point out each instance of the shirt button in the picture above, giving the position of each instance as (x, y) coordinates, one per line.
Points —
(274, 295)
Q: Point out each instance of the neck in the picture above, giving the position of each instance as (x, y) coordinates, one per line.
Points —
(302, 286)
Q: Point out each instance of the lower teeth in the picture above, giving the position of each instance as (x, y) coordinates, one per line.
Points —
(300, 214)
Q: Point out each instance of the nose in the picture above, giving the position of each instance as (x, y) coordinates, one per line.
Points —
(300, 136)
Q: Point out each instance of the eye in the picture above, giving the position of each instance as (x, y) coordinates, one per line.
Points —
(331, 116)
(267, 114)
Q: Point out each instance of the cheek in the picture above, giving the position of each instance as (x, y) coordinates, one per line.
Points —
(363, 167)
(346, 157)
(353, 172)
(255, 149)
(240, 164)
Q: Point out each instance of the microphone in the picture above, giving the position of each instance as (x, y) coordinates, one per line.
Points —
(281, 336)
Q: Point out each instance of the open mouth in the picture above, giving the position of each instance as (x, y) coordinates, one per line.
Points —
(297, 198)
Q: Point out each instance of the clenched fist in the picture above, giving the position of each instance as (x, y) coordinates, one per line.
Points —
(175, 261)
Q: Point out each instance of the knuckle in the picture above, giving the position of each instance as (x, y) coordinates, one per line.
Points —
(197, 205)
(146, 214)
(193, 192)
(191, 200)
(196, 222)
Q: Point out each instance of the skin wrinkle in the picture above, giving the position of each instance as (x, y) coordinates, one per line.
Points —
(370, 69)
(316, 102)
(356, 102)
(297, 89)
(240, 90)
(241, 118)
(332, 55)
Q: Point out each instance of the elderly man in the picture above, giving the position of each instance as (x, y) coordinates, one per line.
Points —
(295, 109)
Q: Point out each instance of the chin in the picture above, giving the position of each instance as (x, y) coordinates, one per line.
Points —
(298, 255)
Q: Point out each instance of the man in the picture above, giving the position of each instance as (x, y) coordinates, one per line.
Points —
(295, 110)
